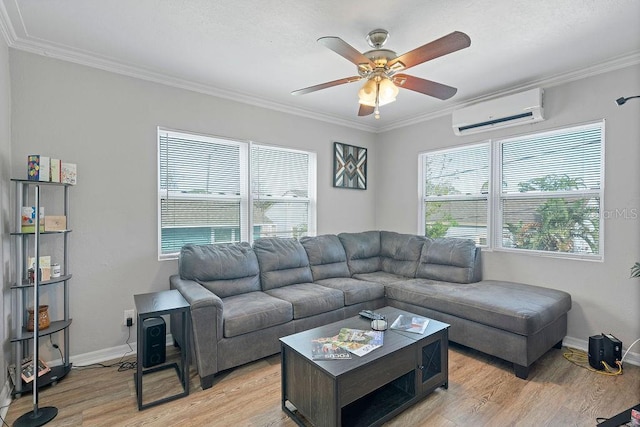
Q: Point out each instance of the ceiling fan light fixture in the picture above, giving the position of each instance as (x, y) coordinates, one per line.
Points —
(367, 93)
(385, 92)
(388, 92)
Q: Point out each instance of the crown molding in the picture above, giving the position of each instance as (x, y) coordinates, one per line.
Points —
(556, 80)
(108, 64)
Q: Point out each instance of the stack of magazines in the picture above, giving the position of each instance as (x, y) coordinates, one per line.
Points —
(348, 341)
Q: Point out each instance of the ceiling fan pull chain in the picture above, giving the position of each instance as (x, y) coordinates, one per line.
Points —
(377, 110)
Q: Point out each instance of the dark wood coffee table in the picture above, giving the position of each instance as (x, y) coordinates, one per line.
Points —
(367, 390)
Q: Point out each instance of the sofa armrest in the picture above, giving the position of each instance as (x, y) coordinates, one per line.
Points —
(206, 323)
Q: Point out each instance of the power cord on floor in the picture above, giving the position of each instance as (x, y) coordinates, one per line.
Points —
(581, 359)
(122, 364)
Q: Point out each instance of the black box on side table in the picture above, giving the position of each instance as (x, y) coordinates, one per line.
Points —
(153, 305)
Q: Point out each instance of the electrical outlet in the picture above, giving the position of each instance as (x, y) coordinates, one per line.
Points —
(129, 314)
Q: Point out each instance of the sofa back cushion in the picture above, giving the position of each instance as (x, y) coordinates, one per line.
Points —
(282, 262)
(363, 251)
(225, 269)
(450, 260)
(400, 253)
(327, 257)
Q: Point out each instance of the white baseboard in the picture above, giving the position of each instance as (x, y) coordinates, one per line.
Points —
(106, 354)
(631, 357)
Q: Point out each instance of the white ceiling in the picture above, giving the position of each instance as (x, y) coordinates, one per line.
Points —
(258, 51)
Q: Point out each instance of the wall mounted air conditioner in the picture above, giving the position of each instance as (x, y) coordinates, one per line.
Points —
(511, 110)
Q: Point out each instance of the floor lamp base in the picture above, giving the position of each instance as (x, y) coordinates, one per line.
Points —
(39, 418)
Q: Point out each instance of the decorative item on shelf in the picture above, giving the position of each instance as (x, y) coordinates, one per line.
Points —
(38, 168)
(55, 223)
(69, 173)
(349, 166)
(56, 170)
(45, 267)
(28, 219)
(55, 270)
(43, 318)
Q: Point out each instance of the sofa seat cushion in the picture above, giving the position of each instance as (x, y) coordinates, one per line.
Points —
(355, 291)
(381, 277)
(514, 307)
(309, 299)
(253, 311)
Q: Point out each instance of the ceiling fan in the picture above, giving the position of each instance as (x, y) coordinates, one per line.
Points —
(381, 69)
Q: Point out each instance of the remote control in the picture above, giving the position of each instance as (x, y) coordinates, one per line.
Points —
(371, 315)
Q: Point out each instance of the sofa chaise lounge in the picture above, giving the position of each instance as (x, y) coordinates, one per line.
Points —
(243, 298)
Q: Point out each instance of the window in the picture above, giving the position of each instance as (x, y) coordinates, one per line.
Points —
(455, 193)
(204, 197)
(538, 193)
(281, 192)
(551, 191)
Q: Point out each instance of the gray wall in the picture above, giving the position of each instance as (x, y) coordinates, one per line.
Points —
(106, 123)
(605, 299)
(5, 220)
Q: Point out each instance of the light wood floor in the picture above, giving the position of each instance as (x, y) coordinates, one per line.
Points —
(483, 391)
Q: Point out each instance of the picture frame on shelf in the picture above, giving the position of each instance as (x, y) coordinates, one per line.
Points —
(349, 166)
(27, 373)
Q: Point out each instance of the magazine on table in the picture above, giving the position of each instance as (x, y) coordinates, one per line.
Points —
(360, 342)
(328, 349)
(416, 324)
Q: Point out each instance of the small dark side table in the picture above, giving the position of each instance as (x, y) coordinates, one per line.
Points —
(153, 305)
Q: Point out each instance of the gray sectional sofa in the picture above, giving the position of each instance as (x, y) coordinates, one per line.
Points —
(243, 298)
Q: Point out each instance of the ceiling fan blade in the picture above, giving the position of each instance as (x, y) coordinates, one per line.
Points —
(443, 46)
(427, 87)
(347, 51)
(365, 110)
(326, 85)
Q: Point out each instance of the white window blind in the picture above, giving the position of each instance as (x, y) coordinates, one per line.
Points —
(551, 197)
(455, 185)
(214, 190)
(280, 186)
(200, 190)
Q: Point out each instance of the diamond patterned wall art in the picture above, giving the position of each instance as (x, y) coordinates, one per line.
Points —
(349, 166)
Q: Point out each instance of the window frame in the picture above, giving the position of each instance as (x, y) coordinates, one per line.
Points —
(497, 197)
(246, 197)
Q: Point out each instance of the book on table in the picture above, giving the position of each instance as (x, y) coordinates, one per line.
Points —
(416, 324)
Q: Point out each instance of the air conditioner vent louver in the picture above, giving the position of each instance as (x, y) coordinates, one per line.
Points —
(520, 108)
